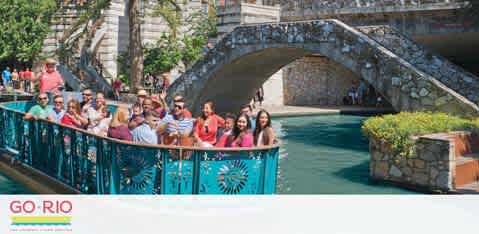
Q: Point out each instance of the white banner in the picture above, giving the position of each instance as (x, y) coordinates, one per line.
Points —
(239, 214)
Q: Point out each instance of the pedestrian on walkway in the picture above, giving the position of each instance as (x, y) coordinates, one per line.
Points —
(6, 76)
(27, 77)
(15, 79)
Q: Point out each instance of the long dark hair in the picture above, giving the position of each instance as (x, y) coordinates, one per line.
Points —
(258, 128)
(236, 131)
(203, 117)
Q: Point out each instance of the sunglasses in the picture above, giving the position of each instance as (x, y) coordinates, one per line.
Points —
(86, 94)
(42, 98)
(179, 107)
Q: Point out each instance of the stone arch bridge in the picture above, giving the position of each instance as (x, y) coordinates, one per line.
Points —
(410, 79)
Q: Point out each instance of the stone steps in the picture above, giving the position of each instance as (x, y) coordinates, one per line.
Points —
(451, 75)
(470, 188)
(467, 169)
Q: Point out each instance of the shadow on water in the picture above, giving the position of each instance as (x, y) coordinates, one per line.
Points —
(343, 135)
(358, 173)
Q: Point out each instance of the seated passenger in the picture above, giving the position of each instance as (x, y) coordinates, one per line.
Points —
(207, 126)
(97, 113)
(137, 120)
(103, 125)
(140, 97)
(263, 133)
(40, 110)
(248, 111)
(228, 129)
(87, 102)
(56, 113)
(241, 135)
(119, 126)
(73, 116)
(179, 99)
(146, 132)
(175, 128)
(159, 104)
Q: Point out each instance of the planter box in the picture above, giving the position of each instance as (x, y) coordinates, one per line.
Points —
(440, 162)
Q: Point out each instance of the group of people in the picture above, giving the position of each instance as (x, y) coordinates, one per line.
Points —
(18, 80)
(362, 95)
(150, 121)
(49, 79)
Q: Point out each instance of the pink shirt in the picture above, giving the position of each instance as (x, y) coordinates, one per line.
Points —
(246, 141)
(49, 82)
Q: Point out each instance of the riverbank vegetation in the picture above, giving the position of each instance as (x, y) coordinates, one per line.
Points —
(397, 130)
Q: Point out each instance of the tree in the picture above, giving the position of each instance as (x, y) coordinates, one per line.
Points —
(135, 46)
(25, 25)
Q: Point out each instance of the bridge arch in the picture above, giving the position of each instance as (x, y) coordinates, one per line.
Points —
(230, 73)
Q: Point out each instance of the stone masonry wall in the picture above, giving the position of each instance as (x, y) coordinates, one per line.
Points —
(316, 81)
(453, 76)
(430, 168)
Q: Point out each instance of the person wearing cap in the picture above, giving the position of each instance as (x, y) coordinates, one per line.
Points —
(140, 97)
(136, 121)
(50, 79)
(6, 76)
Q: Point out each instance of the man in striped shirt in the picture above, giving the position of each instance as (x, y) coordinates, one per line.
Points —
(175, 126)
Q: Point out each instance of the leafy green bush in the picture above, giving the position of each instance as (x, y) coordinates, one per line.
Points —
(398, 129)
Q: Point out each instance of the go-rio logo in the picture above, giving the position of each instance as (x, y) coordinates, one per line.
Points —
(45, 212)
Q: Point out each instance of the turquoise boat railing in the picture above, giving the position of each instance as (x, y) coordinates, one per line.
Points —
(99, 165)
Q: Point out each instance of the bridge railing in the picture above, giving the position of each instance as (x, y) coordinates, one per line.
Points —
(92, 164)
(300, 5)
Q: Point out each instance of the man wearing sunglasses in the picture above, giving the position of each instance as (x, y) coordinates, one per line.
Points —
(40, 110)
(87, 100)
(175, 126)
(56, 113)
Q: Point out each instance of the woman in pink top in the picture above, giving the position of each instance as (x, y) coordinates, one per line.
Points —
(241, 136)
(50, 79)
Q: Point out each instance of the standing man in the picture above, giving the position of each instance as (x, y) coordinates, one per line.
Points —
(361, 93)
(116, 89)
(6, 77)
(50, 79)
(27, 78)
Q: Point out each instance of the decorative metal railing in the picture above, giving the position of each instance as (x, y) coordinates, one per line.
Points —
(98, 165)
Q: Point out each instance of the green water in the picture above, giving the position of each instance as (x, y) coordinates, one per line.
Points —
(325, 155)
(320, 155)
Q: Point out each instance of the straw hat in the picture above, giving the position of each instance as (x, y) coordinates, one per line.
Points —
(50, 61)
(141, 92)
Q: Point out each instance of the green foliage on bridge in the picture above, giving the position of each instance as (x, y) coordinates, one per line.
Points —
(397, 130)
(24, 26)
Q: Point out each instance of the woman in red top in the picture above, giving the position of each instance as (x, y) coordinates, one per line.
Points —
(207, 126)
(73, 117)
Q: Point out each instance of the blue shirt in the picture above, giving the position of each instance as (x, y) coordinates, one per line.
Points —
(6, 75)
(145, 134)
(184, 125)
(57, 115)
